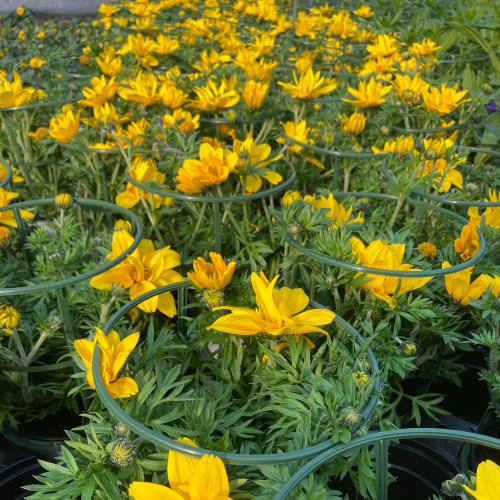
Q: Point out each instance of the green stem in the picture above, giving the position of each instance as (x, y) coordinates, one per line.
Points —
(399, 204)
(35, 348)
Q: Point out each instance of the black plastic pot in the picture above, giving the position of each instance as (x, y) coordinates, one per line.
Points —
(419, 471)
(14, 477)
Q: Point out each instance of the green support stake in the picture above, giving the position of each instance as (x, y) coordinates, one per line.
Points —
(62, 301)
(217, 228)
(381, 464)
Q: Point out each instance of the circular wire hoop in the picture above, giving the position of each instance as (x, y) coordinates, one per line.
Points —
(231, 458)
(38, 105)
(8, 177)
(451, 201)
(381, 440)
(105, 206)
(388, 272)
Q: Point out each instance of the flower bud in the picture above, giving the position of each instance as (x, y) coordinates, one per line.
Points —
(9, 319)
(118, 291)
(455, 486)
(357, 149)
(486, 89)
(430, 154)
(330, 281)
(63, 200)
(351, 418)
(384, 130)
(55, 322)
(408, 348)
(121, 429)
(361, 377)
(122, 453)
(294, 230)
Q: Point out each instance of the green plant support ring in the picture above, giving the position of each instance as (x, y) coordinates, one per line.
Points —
(37, 105)
(451, 128)
(381, 440)
(28, 289)
(8, 177)
(388, 272)
(231, 458)
(450, 201)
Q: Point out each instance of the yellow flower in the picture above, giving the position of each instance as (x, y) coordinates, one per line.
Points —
(403, 145)
(215, 275)
(460, 288)
(410, 89)
(444, 101)
(254, 93)
(426, 48)
(22, 34)
(3, 173)
(364, 11)
(64, 126)
(289, 197)
(4, 236)
(253, 158)
(114, 353)
(188, 478)
(184, 120)
(109, 62)
(36, 62)
(309, 86)
(41, 34)
(468, 243)
(278, 312)
(361, 377)
(368, 94)
(142, 89)
(448, 175)
(145, 269)
(213, 167)
(9, 319)
(143, 170)
(491, 215)
(20, 11)
(12, 93)
(428, 249)
(136, 131)
(354, 124)
(336, 211)
(100, 91)
(166, 45)
(487, 482)
(171, 96)
(142, 48)
(304, 62)
(213, 98)
(7, 216)
(297, 131)
(381, 255)
(384, 46)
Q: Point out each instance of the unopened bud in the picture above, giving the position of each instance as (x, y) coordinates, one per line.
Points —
(486, 89)
(408, 348)
(122, 453)
(384, 130)
(455, 486)
(63, 200)
(294, 230)
(351, 418)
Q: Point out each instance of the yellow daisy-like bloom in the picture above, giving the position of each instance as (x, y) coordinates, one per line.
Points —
(336, 211)
(188, 478)
(278, 312)
(260, 70)
(368, 94)
(213, 167)
(364, 11)
(304, 62)
(114, 353)
(449, 175)
(467, 245)
(309, 86)
(297, 131)
(171, 96)
(136, 131)
(254, 93)
(145, 269)
(166, 45)
(9, 319)
(100, 91)
(184, 120)
(381, 255)
(109, 62)
(444, 101)
(385, 45)
(143, 170)
(215, 275)
(4, 236)
(354, 123)
(494, 283)
(12, 93)
(491, 214)
(142, 89)
(36, 62)
(105, 113)
(460, 288)
(342, 26)
(409, 89)
(487, 482)
(7, 216)
(403, 145)
(289, 197)
(426, 48)
(64, 126)
(142, 48)
(3, 173)
(213, 98)
(252, 158)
